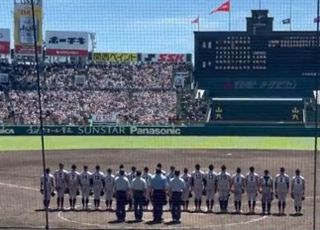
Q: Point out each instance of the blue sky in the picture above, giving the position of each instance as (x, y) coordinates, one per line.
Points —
(154, 26)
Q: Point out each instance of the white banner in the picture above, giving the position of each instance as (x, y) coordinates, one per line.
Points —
(104, 118)
(67, 43)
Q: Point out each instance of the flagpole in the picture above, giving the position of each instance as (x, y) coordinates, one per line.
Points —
(259, 4)
(290, 24)
(229, 20)
(230, 17)
(198, 23)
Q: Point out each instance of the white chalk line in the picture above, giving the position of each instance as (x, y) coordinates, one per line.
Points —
(107, 226)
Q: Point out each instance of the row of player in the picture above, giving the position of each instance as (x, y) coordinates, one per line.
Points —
(196, 184)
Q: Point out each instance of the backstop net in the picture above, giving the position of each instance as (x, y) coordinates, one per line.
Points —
(223, 95)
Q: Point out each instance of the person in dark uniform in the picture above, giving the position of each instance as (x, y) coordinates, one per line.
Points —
(121, 186)
(158, 193)
(176, 188)
(139, 188)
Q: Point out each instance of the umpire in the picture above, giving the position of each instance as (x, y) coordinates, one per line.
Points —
(158, 188)
(139, 187)
(121, 187)
(176, 187)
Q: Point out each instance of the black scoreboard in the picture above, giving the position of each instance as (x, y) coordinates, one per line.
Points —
(257, 62)
(241, 54)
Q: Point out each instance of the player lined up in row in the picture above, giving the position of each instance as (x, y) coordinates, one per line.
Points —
(196, 184)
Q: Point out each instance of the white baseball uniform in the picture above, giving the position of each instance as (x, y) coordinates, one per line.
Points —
(252, 185)
(85, 186)
(60, 177)
(211, 181)
(197, 187)
(238, 186)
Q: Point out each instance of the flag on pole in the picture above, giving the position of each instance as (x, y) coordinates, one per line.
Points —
(225, 7)
(195, 21)
(286, 21)
(316, 19)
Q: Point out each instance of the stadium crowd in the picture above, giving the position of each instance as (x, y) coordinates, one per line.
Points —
(139, 188)
(138, 93)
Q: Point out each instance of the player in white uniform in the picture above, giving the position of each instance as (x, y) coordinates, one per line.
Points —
(186, 193)
(297, 191)
(109, 188)
(147, 177)
(282, 183)
(47, 187)
(252, 188)
(121, 168)
(159, 166)
(238, 188)
(60, 177)
(130, 177)
(98, 186)
(85, 186)
(210, 179)
(223, 188)
(266, 189)
(73, 185)
(197, 182)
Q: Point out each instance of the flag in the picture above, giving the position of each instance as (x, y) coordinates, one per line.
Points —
(316, 19)
(195, 21)
(286, 21)
(225, 7)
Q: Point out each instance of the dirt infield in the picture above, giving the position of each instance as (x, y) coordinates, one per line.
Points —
(20, 198)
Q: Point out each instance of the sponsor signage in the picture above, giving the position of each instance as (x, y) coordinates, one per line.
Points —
(216, 130)
(115, 57)
(24, 27)
(67, 43)
(170, 58)
(4, 41)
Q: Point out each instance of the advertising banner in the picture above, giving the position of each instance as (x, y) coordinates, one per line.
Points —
(67, 43)
(4, 41)
(115, 57)
(170, 58)
(24, 28)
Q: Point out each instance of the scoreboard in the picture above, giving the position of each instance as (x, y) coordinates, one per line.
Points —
(243, 54)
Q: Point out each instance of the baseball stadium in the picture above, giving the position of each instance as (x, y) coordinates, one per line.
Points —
(162, 114)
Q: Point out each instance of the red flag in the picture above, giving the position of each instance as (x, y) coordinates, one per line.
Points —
(195, 21)
(225, 7)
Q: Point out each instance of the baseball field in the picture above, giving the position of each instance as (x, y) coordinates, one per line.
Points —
(21, 167)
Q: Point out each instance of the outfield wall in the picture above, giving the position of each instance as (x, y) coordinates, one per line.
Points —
(214, 130)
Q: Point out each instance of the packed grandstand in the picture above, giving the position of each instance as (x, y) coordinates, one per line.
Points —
(120, 93)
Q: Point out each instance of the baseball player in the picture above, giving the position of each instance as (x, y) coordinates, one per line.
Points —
(252, 187)
(121, 168)
(73, 186)
(266, 189)
(147, 177)
(187, 192)
(85, 186)
(131, 176)
(98, 186)
(159, 166)
(197, 182)
(297, 191)
(109, 188)
(60, 177)
(238, 188)
(223, 188)
(282, 183)
(210, 187)
(47, 187)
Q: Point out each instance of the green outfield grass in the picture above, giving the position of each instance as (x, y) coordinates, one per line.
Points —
(126, 142)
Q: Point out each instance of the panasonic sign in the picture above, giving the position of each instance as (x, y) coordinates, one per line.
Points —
(134, 130)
